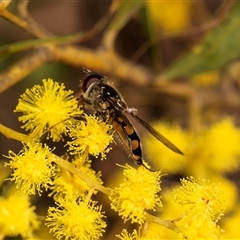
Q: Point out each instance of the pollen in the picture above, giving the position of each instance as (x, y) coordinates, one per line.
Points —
(92, 135)
(48, 108)
(139, 192)
(32, 168)
(203, 193)
(76, 219)
(206, 205)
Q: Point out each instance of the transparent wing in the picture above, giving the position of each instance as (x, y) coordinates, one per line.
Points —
(120, 107)
(156, 134)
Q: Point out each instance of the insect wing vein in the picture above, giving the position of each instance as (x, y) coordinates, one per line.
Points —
(156, 134)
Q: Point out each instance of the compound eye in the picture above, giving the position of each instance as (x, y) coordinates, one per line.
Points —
(89, 80)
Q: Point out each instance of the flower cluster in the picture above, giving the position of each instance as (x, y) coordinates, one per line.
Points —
(72, 181)
(32, 168)
(51, 108)
(76, 219)
(91, 136)
(206, 205)
(214, 149)
(139, 192)
(48, 108)
(208, 154)
(17, 217)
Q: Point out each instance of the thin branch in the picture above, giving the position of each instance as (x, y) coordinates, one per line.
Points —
(95, 185)
(77, 172)
(166, 223)
(9, 133)
(32, 29)
(24, 67)
(78, 57)
(23, 9)
(106, 62)
(76, 37)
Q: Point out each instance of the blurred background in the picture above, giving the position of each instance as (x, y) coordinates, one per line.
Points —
(175, 61)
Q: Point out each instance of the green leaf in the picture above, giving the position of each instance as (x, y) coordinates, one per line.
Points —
(151, 32)
(219, 47)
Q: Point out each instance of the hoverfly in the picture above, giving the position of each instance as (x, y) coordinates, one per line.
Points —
(110, 106)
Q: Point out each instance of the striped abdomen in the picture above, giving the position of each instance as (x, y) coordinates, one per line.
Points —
(129, 138)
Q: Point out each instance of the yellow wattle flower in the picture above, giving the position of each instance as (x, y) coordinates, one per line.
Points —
(93, 136)
(48, 108)
(32, 168)
(206, 205)
(170, 16)
(17, 217)
(76, 219)
(139, 192)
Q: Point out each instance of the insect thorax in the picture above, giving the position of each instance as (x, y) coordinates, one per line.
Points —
(104, 98)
